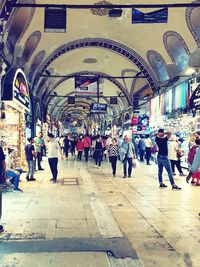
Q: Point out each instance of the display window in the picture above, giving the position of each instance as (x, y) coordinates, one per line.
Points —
(13, 133)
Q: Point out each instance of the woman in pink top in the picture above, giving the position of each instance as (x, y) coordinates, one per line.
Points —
(79, 147)
(86, 145)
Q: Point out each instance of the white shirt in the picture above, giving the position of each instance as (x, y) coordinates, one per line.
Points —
(147, 142)
(53, 147)
(9, 162)
(172, 150)
(108, 141)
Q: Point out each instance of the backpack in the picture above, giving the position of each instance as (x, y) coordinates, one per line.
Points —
(191, 154)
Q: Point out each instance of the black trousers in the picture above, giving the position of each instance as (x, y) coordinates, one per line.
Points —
(98, 156)
(141, 155)
(39, 159)
(176, 163)
(86, 151)
(128, 161)
(148, 154)
(66, 150)
(53, 163)
(80, 155)
(113, 161)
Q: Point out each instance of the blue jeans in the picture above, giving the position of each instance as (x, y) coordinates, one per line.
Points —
(130, 165)
(31, 167)
(13, 175)
(163, 161)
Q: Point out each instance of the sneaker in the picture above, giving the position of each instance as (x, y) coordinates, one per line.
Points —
(175, 187)
(32, 179)
(114, 175)
(129, 176)
(40, 169)
(27, 178)
(17, 190)
(54, 181)
(51, 179)
(1, 228)
(124, 176)
(99, 167)
(182, 174)
(163, 185)
(96, 166)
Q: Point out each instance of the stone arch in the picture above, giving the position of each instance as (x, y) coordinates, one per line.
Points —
(110, 45)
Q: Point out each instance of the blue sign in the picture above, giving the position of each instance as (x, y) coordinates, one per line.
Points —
(158, 16)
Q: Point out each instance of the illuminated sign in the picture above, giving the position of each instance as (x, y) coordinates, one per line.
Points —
(195, 99)
(15, 88)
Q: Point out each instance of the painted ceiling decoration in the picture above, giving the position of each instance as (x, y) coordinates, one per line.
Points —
(101, 11)
(110, 48)
(177, 49)
(158, 64)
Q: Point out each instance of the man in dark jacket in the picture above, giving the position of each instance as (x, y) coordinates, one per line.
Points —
(2, 174)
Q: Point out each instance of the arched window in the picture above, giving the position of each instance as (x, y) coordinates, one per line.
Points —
(177, 49)
(158, 65)
(31, 45)
(18, 24)
(192, 17)
(37, 60)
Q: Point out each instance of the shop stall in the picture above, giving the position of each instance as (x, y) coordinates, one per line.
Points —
(16, 105)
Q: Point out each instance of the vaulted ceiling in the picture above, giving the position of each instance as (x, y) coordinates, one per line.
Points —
(99, 45)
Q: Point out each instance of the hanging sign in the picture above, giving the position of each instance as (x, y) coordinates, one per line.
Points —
(195, 99)
(15, 88)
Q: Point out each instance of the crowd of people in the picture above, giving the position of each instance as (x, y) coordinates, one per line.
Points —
(163, 148)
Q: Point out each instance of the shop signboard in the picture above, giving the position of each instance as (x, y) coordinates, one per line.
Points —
(88, 86)
(15, 88)
(195, 99)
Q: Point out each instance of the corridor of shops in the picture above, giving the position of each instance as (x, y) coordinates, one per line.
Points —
(99, 133)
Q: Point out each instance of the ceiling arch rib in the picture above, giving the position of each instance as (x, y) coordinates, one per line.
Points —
(107, 44)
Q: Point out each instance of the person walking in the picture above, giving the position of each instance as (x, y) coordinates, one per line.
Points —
(53, 148)
(30, 154)
(141, 147)
(73, 146)
(113, 152)
(127, 154)
(86, 145)
(98, 149)
(191, 155)
(39, 143)
(148, 145)
(162, 159)
(173, 150)
(66, 142)
(79, 147)
(2, 176)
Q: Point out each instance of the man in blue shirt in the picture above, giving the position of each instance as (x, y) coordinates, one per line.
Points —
(126, 154)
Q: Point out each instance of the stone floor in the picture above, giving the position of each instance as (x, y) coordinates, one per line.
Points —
(162, 226)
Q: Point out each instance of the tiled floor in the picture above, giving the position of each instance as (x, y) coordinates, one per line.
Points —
(162, 225)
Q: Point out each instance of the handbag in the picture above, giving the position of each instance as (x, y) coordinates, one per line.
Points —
(180, 154)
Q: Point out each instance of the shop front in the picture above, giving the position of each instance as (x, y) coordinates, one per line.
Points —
(16, 105)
